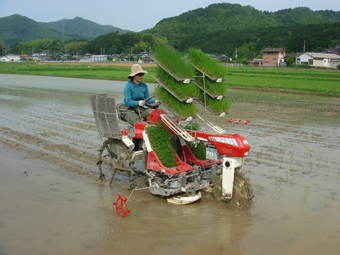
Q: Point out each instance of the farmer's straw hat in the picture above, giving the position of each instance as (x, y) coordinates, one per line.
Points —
(136, 69)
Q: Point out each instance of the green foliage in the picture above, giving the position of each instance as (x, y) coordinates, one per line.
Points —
(243, 61)
(199, 150)
(247, 50)
(226, 16)
(210, 66)
(174, 62)
(75, 46)
(37, 46)
(179, 88)
(116, 42)
(290, 61)
(162, 144)
(338, 67)
(2, 48)
(181, 108)
(293, 38)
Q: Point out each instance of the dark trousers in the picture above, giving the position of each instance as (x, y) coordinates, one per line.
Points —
(134, 115)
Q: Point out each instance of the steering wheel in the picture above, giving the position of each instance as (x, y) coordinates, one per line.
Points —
(152, 105)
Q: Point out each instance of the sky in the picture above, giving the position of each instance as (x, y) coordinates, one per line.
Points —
(136, 15)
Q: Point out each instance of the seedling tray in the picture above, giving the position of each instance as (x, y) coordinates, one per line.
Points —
(168, 71)
(171, 92)
(209, 77)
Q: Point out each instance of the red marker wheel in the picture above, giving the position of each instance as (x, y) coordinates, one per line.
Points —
(121, 207)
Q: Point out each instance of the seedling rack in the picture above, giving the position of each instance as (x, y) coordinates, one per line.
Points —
(187, 100)
(218, 97)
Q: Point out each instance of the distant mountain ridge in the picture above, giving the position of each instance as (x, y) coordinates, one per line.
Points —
(18, 28)
(224, 16)
(82, 27)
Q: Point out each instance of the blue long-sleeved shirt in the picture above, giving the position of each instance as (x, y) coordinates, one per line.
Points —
(133, 93)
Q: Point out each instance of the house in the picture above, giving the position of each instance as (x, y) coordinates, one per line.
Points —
(13, 58)
(292, 55)
(318, 59)
(4, 59)
(147, 59)
(222, 57)
(273, 56)
(257, 62)
(25, 57)
(115, 57)
(98, 58)
(335, 50)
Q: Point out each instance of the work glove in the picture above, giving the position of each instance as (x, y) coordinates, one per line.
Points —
(142, 103)
(158, 102)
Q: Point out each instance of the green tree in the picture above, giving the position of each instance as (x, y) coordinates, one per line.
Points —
(290, 61)
(2, 48)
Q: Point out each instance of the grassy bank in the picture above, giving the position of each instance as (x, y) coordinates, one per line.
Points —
(75, 70)
(325, 82)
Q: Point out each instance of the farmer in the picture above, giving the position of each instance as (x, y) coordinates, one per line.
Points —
(135, 93)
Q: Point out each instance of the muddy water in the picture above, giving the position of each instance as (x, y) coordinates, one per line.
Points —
(58, 207)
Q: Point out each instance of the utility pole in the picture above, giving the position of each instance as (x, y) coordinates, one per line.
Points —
(236, 53)
(63, 24)
(304, 46)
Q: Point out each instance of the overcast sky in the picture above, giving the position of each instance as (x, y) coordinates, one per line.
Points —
(132, 14)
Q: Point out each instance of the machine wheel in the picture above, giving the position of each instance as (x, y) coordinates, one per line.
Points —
(242, 193)
(157, 181)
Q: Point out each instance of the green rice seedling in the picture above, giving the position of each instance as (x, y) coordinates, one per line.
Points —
(218, 106)
(181, 108)
(161, 143)
(208, 65)
(178, 88)
(272, 171)
(199, 150)
(215, 88)
(307, 192)
(277, 183)
(174, 62)
(333, 196)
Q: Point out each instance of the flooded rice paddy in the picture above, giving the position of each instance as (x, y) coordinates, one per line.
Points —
(52, 203)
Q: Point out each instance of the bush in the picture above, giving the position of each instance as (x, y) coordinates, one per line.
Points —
(290, 61)
(338, 66)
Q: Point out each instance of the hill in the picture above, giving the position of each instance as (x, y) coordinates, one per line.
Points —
(18, 28)
(226, 16)
(86, 29)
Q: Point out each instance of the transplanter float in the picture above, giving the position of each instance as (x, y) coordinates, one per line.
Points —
(221, 173)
